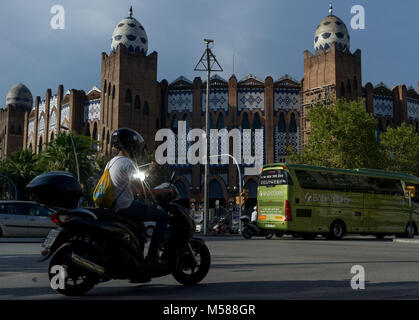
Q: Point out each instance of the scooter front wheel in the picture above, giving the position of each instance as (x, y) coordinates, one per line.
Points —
(246, 234)
(192, 269)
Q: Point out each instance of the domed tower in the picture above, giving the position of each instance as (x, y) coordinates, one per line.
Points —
(130, 94)
(19, 101)
(332, 72)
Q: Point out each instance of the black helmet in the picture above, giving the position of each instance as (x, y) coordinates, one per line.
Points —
(127, 140)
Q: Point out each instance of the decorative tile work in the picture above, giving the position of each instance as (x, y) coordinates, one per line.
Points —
(287, 99)
(280, 144)
(52, 121)
(218, 99)
(31, 127)
(65, 113)
(412, 108)
(41, 125)
(180, 100)
(294, 139)
(53, 102)
(251, 99)
(91, 110)
(41, 107)
(383, 106)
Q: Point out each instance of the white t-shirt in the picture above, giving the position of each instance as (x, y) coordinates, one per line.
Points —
(121, 170)
(254, 215)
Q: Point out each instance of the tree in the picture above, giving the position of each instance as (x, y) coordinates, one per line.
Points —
(59, 155)
(21, 168)
(342, 136)
(401, 149)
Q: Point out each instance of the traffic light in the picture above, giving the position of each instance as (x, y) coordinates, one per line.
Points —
(244, 195)
(411, 190)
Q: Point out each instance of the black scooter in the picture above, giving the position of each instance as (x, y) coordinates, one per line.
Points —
(95, 245)
(250, 229)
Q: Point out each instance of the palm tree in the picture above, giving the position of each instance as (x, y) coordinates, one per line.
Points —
(21, 168)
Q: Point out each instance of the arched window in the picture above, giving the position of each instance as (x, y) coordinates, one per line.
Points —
(293, 124)
(19, 130)
(342, 90)
(220, 122)
(113, 92)
(105, 87)
(355, 86)
(245, 121)
(215, 190)
(12, 129)
(146, 110)
(281, 123)
(109, 89)
(349, 88)
(174, 125)
(256, 122)
(51, 137)
(128, 97)
(137, 103)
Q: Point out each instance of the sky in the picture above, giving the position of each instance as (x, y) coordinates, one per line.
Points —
(265, 37)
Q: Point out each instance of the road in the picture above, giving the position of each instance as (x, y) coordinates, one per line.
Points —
(283, 268)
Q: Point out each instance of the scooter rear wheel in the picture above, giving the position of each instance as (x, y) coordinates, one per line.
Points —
(269, 234)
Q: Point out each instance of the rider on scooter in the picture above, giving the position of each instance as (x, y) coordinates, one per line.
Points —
(126, 144)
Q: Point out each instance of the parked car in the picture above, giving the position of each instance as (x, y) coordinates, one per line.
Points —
(24, 219)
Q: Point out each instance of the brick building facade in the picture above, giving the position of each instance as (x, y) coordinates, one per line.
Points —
(131, 96)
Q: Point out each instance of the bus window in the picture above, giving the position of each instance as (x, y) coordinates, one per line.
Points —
(270, 178)
(341, 182)
(386, 186)
(312, 179)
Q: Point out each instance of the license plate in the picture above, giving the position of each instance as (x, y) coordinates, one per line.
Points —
(269, 226)
(49, 241)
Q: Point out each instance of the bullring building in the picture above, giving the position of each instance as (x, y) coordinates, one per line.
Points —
(131, 96)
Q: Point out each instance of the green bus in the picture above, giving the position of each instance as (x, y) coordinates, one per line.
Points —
(307, 201)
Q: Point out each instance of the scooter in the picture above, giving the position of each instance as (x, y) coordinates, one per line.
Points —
(222, 226)
(250, 229)
(94, 245)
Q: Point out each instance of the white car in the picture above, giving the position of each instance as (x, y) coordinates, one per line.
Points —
(24, 219)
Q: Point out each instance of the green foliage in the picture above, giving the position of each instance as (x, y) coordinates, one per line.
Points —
(342, 136)
(21, 167)
(401, 149)
(59, 155)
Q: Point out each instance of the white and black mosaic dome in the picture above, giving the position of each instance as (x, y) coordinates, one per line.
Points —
(331, 30)
(131, 34)
(20, 95)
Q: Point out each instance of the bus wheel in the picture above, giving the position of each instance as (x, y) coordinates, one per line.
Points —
(410, 230)
(269, 234)
(279, 234)
(337, 230)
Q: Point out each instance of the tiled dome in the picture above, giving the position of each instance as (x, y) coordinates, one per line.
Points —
(131, 34)
(331, 30)
(20, 95)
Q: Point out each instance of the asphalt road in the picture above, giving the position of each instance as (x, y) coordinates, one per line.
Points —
(284, 268)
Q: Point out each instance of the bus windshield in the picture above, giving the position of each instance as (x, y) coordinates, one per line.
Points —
(274, 177)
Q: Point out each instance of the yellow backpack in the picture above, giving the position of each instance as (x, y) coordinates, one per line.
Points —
(104, 194)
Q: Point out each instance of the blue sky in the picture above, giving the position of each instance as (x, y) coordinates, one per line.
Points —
(266, 37)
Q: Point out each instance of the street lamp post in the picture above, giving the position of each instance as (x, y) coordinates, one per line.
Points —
(74, 150)
(240, 183)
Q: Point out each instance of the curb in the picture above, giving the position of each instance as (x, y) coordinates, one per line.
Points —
(406, 241)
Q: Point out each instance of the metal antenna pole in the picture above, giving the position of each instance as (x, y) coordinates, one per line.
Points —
(207, 62)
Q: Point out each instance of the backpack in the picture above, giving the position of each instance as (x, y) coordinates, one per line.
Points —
(104, 194)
